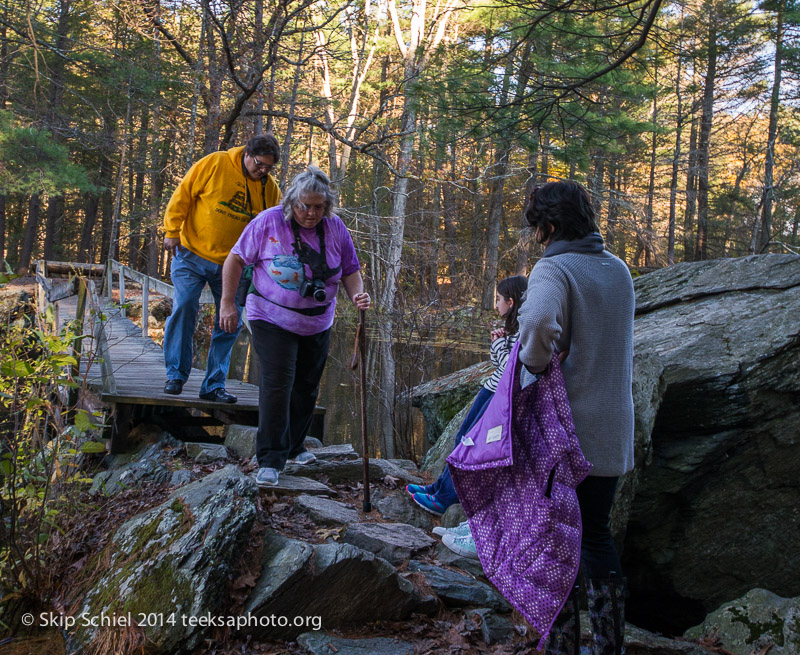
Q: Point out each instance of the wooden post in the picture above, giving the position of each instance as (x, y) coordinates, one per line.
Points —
(121, 290)
(145, 307)
(120, 428)
(109, 281)
(77, 342)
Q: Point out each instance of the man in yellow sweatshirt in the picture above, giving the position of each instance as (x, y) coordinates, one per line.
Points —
(219, 195)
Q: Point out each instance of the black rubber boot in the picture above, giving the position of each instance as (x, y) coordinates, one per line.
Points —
(565, 635)
(607, 614)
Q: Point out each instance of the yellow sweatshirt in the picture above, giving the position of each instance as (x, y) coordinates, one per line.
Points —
(210, 208)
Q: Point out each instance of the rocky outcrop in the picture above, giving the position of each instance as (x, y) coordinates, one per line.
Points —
(394, 542)
(352, 470)
(460, 590)
(441, 399)
(148, 464)
(325, 511)
(435, 459)
(759, 622)
(710, 510)
(320, 643)
(174, 561)
(715, 507)
(338, 583)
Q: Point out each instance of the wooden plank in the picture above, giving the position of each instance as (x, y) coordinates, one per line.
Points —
(145, 307)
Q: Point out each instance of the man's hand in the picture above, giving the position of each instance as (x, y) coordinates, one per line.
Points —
(228, 316)
(171, 244)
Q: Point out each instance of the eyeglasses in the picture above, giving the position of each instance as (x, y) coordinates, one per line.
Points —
(303, 207)
(261, 165)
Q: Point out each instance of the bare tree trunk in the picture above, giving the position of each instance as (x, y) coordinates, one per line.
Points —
(196, 87)
(2, 227)
(29, 236)
(704, 140)
(91, 202)
(136, 211)
(676, 158)
(526, 239)
(769, 165)
(691, 191)
(287, 141)
(54, 222)
(55, 100)
(493, 231)
(651, 187)
(214, 97)
(448, 219)
(116, 218)
(613, 207)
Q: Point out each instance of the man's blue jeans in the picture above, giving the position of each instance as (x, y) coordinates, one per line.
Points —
(190, 273)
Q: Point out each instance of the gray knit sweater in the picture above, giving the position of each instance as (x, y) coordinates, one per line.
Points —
(584, 303)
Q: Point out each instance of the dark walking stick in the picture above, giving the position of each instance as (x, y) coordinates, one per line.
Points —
(360, 352)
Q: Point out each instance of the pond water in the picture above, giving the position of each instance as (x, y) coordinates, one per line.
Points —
(418, 359)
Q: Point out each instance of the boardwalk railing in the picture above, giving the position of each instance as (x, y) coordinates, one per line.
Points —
(148, 283)
(78, 283)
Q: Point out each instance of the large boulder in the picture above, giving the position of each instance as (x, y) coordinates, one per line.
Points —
(435, 459)
(148, 464)
(173, 562)
(709, 512)
(759, 622)
(441, 399)
(331, 584)
(395, 542)
(717, 491)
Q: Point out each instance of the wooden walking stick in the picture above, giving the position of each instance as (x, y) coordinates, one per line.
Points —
(360, 352)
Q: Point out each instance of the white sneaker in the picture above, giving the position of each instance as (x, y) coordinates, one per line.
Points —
(463, 545)
(461, 530)
(267, 477)
(305, 457)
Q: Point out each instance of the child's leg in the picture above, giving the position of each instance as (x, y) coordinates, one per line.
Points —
(443, 488)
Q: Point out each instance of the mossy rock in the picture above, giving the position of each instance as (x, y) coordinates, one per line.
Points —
(173, 562)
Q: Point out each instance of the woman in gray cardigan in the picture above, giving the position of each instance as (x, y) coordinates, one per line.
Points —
(580, 301)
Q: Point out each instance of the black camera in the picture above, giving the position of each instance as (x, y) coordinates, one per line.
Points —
(314, 288)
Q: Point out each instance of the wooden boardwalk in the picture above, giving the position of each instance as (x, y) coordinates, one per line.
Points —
(138, 375)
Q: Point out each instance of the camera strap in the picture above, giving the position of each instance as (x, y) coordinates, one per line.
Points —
(316, 261)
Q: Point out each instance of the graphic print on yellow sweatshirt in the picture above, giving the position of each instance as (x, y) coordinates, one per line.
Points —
(209, 209)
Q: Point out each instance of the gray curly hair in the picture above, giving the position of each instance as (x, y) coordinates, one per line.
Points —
(311, 180)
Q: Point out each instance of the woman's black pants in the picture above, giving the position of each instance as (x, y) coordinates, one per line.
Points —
(598, 552)
(291, 368)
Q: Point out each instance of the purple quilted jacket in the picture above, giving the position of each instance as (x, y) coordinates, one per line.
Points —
(515, 473)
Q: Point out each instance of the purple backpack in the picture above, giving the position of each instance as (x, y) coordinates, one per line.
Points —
(515, 473)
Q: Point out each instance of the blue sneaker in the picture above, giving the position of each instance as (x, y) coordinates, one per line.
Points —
(429, 503)
(416, 489)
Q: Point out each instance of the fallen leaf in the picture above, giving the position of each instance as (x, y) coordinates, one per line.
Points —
(245, 580)
(390, 481)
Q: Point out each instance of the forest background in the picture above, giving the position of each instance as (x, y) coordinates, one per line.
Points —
(435, 120)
